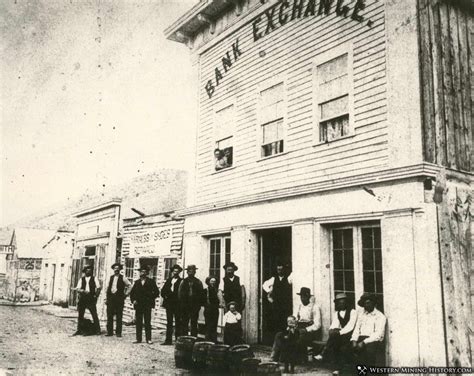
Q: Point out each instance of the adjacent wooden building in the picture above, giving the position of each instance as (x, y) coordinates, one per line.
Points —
(337, 135)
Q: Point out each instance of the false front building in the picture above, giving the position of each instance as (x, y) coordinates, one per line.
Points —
(337, 136)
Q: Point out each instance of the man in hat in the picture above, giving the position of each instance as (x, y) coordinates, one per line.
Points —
(340, 332)
(143, 295)
(232, 290)
(369, 331)
(190, 295)
(88, 288)
(118, 289)
(169, 293)
(280, 297)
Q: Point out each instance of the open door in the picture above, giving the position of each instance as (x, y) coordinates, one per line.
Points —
(274, 245)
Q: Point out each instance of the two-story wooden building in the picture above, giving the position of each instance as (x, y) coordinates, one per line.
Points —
(337, 135)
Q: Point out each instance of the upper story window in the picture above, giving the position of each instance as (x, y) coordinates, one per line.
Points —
(333, 93)
(224, 137)
(271, 120)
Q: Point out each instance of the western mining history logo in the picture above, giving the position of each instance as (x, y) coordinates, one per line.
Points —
(363, 370)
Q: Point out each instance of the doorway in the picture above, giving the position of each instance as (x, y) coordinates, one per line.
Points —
(274, 245)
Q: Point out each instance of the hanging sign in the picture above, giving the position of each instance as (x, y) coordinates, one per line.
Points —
(151, 242)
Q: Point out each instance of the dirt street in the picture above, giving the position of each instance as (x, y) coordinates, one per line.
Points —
(34, 342)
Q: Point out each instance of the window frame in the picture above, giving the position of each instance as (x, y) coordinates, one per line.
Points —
(167, 270)
(357, 259)
(222, 253)
(267, 84)
(325, 57)
(215, 110)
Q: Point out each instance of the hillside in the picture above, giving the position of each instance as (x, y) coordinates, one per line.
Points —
(163, 190)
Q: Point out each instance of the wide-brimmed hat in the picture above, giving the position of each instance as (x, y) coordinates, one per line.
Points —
(117, 264)
(230, 263)
(234, 303)
(340, 296)
(146, 268)
(176, 266)
(367, 296)
(208, 280)
(191, 267)
(87, 267)
(304, 291)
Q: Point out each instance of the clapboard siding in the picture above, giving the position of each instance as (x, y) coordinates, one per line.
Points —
(446, 71)
(290, 52)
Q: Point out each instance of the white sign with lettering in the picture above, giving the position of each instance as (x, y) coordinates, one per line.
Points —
(151, 243)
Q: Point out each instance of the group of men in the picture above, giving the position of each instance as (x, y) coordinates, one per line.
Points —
(351, 333)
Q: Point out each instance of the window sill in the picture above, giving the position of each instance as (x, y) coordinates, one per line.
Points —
(223, 170)
(334, 141)
(272, 156)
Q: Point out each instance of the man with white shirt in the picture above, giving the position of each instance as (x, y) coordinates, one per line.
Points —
(169, 293)
(279, 294)
(88, 288)
(118, 289)
(340, 332)
(369, 330)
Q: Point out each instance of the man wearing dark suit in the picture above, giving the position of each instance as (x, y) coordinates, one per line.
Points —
(169, 293)
(117, 291)
(232, 290)
(190, 294)
(143, 295)
(88, 288)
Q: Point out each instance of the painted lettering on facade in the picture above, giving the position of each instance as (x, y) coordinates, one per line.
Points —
(226, 63)
(156, 242)
(279, 15)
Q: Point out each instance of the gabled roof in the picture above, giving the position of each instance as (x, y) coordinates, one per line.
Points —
(30, 241)
(6, 236)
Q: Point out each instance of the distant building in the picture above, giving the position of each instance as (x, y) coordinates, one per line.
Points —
(96, 244)
(6, 251)
(155, 241)
(55, 269)
(24, 264)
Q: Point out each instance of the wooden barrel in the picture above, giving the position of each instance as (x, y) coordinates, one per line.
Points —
(183, 351)
(249, 366)
(200, 350)
(236, 354)
(269, 368)
(217, 357)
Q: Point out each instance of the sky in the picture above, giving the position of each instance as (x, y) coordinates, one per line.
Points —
(92, 95)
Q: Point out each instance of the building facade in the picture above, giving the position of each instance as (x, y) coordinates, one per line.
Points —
(337, 136)
(56, 268)
(96, 244)
(154, 241)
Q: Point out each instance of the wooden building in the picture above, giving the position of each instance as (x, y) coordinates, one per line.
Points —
(155, 241)
(96, 244)
(56, 267)
(24, 264)
(338, 135)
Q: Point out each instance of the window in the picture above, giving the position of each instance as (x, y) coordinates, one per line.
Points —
(272, 120)
(169, 262)
(90, 251)
(220, 248)
(129, 266)
(357, 262)
(152, 264)
(224, 130)
(333, 94)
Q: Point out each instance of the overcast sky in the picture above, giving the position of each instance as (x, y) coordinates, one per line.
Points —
(92, 96)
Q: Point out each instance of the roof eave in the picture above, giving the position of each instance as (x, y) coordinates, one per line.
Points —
(199, 16)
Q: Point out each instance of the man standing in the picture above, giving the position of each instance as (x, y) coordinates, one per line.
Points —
(232, 290)
(169, 293)
(340, 332)
(117, 291)
(190, 294)
(369, 330)
(88, 288)
(143, 295)
(279, 294)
